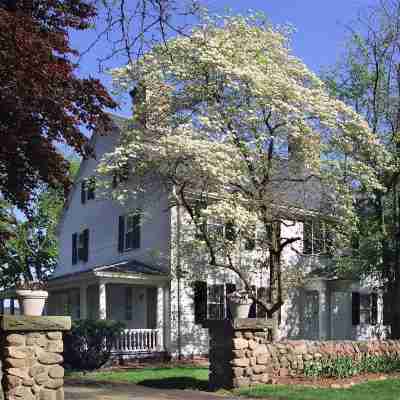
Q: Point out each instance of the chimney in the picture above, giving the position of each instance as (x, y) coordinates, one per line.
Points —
(304, 154)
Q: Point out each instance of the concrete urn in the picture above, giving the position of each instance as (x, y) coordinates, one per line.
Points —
(31, 302)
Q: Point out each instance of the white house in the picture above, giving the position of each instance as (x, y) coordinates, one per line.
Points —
(115, 265)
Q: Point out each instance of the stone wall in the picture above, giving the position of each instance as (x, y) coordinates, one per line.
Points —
(31, 359)
(241, 354)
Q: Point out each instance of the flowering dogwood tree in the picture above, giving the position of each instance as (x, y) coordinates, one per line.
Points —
(239, 131)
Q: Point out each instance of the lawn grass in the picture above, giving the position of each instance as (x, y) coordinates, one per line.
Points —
(375, 390)
(175, 377)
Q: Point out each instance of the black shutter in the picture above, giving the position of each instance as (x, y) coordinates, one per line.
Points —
(230, 231)
(253, 307)
(229, 288)
(387, 308)
(74, 248)
(85, 233)
(374, 308)
(200, 302)
(121, 234)
(136, 232)
(83, 192)
(355, 308)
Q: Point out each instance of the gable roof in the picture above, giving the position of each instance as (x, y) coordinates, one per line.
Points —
(127, 267)
(118, 122)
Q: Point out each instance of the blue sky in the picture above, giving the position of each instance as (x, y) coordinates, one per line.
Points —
(321, 30)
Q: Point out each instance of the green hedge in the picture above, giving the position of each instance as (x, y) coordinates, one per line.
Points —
(344, 367)
(89, 343)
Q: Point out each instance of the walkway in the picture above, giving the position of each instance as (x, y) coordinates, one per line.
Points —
(134, 392)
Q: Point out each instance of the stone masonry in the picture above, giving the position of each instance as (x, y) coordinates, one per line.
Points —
(241, 353)
(31, 358)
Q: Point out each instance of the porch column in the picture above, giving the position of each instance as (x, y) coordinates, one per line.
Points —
(323, 322)
(167, 317)
(160, 317)
(102, 301)
(83, 301)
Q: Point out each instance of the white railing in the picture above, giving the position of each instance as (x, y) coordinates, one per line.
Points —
(138, 341)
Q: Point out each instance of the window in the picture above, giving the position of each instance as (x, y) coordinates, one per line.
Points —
(317, 239)
(80, 246)
(364, 308)
(210, 301)
(250, 240)
(216, 302)
(129, 232)
(88, 189)
(91, 188)
(122, 175)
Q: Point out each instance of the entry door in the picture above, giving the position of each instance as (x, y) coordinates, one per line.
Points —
(311, 315)
(341, 315)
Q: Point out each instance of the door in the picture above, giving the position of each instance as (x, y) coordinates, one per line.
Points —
(341, 315)
(311, 315)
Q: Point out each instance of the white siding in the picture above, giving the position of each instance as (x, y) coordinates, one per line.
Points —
(100, 216)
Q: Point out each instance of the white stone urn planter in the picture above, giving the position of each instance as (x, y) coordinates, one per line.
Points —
(240, 310)
(239, 304)
(31, 302)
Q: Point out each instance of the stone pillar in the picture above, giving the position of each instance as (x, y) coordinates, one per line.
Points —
(102, 301)
(31, 357)
(237, 352)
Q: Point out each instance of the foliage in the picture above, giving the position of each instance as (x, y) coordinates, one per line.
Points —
(368, 78)
(89, 343)
(42, 102)
(382, 390)
(217, 114)
(29, 255)
(345, 367)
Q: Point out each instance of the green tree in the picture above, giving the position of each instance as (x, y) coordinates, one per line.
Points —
(368, 78)
(215, 115)
(30, 251)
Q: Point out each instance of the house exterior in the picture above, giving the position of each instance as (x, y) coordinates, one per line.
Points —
(116, 264)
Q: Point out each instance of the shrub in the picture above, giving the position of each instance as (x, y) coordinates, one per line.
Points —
(89, 343)
(344, 367)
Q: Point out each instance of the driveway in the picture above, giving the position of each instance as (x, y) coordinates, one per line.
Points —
(134, 392)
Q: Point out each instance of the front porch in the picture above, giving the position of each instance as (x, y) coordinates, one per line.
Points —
(140, 301)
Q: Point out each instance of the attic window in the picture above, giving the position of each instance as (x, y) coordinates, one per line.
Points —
(88, 189)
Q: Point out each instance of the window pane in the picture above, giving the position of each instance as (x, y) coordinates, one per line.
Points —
(216, 311)
(365, 309)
